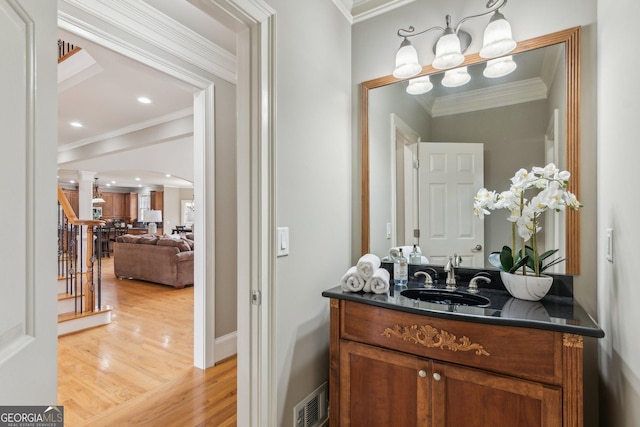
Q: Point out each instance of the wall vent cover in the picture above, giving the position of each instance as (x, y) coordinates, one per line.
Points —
(312, 411)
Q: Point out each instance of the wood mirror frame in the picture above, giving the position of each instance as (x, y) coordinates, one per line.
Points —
(571, 39)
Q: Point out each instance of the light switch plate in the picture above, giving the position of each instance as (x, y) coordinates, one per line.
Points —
(610, 244)
(283, 241)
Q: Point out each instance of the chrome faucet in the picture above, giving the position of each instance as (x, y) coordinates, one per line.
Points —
(451, 275)
(473, 284)
(428, 279)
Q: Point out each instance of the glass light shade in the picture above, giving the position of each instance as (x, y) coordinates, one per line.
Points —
(497, 40)
(419, 85)
(406, 61)
(499, 67)
(457, 77)
(448, 54)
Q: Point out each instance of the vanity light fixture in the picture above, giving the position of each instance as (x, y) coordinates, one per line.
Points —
(419, 85)
(453, 42)
(499, 67)
(456, 77)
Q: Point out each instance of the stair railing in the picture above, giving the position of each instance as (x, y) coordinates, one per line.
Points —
(85, 286)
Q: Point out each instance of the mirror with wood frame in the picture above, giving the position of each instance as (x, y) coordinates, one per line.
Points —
(380, 203)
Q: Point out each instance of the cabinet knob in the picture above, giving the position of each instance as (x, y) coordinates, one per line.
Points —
(436, 376)
(422, 373)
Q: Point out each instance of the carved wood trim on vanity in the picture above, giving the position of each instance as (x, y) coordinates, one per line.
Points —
(431, 337)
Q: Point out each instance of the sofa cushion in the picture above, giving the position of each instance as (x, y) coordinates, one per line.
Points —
(177, 243)
(189, 242)
(148, 239)
(127, 238)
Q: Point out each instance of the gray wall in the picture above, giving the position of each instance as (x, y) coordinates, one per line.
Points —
(313, 198)
(618, 206)
(226, 211)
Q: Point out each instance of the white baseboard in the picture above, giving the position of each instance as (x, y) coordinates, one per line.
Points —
(226, 346)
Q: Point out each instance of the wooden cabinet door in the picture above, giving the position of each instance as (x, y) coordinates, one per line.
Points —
(132, 213)
(118, 205)
(72, 197)
(157, 200)
(382, 388)
(107, 206)
(472, 398)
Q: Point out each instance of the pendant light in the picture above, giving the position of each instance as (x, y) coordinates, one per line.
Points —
(97, 196)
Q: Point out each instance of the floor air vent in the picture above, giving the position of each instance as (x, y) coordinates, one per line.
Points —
(312, 411)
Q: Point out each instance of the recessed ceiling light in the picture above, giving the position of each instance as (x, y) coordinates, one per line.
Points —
(137, 179)
(139, 185)
(113, 182)
(72, 182)
(144, 100)
(108, 184)
(76, 124)
(168, 175)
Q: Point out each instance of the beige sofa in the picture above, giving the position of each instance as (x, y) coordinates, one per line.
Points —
(159, 259)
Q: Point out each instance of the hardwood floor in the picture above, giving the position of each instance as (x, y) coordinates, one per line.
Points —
(138, 370)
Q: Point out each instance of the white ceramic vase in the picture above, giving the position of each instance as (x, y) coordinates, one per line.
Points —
(530, 288)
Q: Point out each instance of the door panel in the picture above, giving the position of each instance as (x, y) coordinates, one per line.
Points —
(382, 388)
(472, 398)
(28, 317)
(450, 176)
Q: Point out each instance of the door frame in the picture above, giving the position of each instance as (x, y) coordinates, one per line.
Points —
(255, 25)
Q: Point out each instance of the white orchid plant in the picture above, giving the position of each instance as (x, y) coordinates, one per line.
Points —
(551, 184)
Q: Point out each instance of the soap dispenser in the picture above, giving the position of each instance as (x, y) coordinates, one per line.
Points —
(415, 257)
(400, 271)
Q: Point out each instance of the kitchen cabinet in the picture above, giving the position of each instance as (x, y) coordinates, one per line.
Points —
(72, 197)
(391, 367)
(157, 200)
(131, 207)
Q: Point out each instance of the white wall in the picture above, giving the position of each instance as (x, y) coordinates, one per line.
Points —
(313, 198)
(618, 206)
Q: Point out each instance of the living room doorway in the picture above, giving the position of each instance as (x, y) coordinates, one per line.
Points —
(133, 45)
(254, 23)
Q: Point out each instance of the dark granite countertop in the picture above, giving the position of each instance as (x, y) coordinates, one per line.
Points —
(555, 312)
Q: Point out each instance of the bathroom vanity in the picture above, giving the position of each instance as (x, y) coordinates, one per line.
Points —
(398, 361)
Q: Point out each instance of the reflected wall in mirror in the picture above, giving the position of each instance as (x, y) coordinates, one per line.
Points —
(524, 119)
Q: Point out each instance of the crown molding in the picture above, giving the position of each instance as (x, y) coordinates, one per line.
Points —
(492, 97)
(360, 10)
(151, 26)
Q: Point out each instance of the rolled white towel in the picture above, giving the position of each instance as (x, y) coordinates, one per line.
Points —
(367, 265)
(379, 282)
(352, 281)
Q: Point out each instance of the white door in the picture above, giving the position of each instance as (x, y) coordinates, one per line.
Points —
(28, 105)
(450, 176)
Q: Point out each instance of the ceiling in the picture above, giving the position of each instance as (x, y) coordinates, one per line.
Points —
(99, 88)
